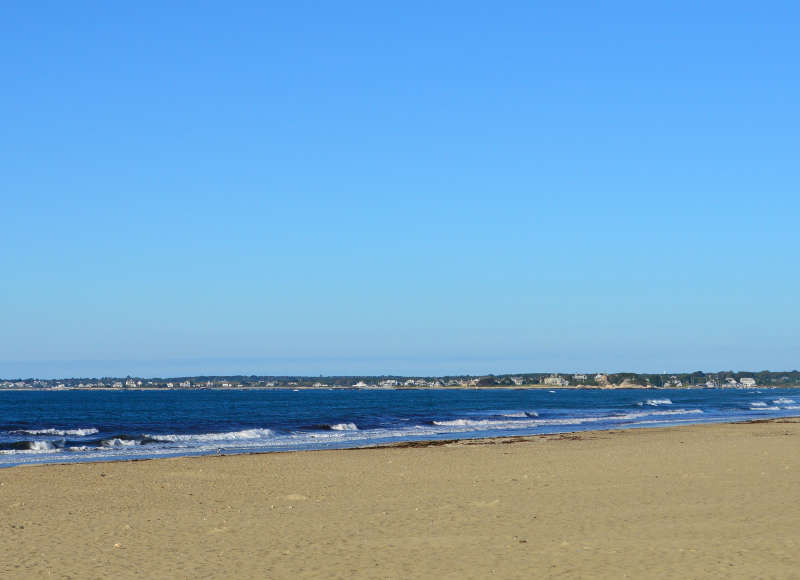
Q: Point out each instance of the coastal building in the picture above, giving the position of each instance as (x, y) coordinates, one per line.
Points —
(360, 385)
(556, 381)
(747, 382)
(130, 383)
(517, 381)
(388, 383)
(185, 384)
(579, 377)
(601, 379)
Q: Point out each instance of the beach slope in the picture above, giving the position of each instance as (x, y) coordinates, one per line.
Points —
(697, 501)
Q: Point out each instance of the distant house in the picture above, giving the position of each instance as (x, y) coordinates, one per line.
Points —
(360, 385)
(517, 381)
(579, 377)
(185, 384)
(116, 385)
(388, 383)
(556, 381)
(130, 383)
(747, 382)
(601, 379)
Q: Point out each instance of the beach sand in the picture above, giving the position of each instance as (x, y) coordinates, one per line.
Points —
(699, 501)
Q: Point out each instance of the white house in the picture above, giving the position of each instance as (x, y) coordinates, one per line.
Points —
(747, 382)
(556, 381)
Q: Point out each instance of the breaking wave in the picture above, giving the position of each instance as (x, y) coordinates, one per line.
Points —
(501, 424)
(202, 437)
(59, 432)
(655, 402)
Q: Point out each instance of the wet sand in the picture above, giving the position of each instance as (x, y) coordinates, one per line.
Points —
(703, 501)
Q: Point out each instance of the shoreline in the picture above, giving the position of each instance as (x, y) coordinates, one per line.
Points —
(705, 500)
(411, 444)
(459, 388)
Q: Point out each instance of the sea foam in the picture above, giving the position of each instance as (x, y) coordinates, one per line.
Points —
(59, 432)
(654, 402)
(200, 437)
(784, 401)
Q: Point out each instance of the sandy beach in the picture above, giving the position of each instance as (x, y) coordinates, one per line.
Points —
(685, 502)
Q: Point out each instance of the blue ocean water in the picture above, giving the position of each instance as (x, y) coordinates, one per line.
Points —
(73, 426)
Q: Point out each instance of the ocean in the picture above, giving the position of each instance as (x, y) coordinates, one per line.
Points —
(76, 426)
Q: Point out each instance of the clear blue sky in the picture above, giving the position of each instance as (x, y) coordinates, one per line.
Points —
(412, 187)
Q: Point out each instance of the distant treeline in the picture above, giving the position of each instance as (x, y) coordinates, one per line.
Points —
(697, 378)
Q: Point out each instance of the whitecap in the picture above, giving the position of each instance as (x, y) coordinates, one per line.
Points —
(655, 402)
(59, 432)
(344, 427)
(228, 436)
(117, 442)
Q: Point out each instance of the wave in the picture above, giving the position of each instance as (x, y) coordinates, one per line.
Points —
(520, 414)
(500, 424)
(227, 436)
(344, 427)
(655, 402)
(30, 446)
(59, 432)
(120, 442)
(784, 401)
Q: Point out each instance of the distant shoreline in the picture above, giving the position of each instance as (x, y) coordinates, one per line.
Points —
(453, 388)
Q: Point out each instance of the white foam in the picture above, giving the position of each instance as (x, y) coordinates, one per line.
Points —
(229, 436)
(344, 427)
(517, 414)
(117, 442)
(483, 424)
(758, 404)
(59, 432)
(41, 446)
(792, 407)
(655, 402)
(784, 401)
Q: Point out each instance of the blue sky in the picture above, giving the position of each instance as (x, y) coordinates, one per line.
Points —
(359, 187)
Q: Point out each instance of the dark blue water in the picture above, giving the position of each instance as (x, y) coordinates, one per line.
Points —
(69, 426)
